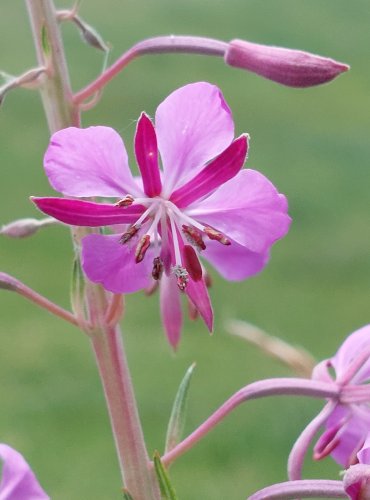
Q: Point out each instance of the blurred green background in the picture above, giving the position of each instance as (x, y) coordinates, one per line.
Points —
(313, 144)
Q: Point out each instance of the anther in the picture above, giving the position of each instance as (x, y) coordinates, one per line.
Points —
(213, 234)
(192, 263)
(129, 234)
(157, 270)
(125, 202)
(194, 236)
(141, 248)
(182, 277)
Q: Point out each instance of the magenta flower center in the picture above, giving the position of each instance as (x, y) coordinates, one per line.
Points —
(173, 235)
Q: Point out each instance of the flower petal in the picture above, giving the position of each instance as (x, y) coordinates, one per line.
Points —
(106, 261)
(87, 213)
(146, 151)
(248, 209)
(193, 125)
(234, 262)
(356, 482)
(18, 482)
(216, 173)
(353, 346)
(355, 425)
(198, 294)
(170, 302)
(89, 162)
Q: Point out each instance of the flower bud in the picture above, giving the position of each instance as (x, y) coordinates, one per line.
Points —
(293, 68)
(23, 228)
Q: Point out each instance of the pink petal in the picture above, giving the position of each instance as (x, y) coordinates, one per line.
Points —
(170, 302)
(89, 162)
(198, 294)
(248, 209)
(193, 124)
(352, 434)
(18, 482)
(352, 347)
(364, 454)
(106, 261)
(214, 175)
(87, 213)
(146, 151)
(234, 262)
(356, 482)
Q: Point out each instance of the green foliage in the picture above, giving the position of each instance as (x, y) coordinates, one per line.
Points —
(167, 490)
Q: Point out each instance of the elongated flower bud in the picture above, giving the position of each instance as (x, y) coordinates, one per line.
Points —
(293, 68)
(22, 228)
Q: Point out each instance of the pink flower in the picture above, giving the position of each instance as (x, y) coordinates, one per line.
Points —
(18, 482)
(200, 201)
(348, 424)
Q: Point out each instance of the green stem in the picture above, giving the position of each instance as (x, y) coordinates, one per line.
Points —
(107, 343)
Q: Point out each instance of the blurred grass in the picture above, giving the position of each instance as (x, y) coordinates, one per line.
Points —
(313, 144)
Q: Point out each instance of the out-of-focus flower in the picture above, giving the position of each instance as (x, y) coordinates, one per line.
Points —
(357, 478)
(348, 424)
(18, 482)
(200, 201)
(294, 68)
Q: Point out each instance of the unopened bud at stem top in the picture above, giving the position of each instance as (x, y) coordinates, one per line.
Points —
(290, 67)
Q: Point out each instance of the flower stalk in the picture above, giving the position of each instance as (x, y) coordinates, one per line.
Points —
(107, 344)
(256, 390)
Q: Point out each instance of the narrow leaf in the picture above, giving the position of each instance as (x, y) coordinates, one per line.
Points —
(77, 287)
(45, 41)
(177, 419)
(126, 495)
(167, 490)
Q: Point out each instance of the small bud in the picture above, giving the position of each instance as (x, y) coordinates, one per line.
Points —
(29, 79)
(89, 34)
(293, 68)
(23, 228)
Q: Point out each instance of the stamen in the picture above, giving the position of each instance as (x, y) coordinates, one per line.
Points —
(194, 236)
(157, 270)
(182, 277)
(213, 234)
(141, 248)
(192, 263)
(125, 202)
(129, 234)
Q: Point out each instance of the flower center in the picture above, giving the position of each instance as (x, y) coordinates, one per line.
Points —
(174, 235)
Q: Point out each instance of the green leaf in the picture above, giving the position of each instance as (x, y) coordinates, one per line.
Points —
(177, 419)
(77, 287)
(45, 41)
(167, 490)
(126, 495)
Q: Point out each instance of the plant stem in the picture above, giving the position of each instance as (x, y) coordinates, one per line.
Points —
(262, 388)
(107, 343)
(308, 488)
(157, 45)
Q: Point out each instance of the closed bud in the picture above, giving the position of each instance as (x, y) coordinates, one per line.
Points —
(293, 68)
(22, 228)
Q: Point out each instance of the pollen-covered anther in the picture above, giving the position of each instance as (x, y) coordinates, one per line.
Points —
(182, 277)
(129, 234)
(213, 234)
(141, 248)
(125, 202)
(157, 270)
(194, 236)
